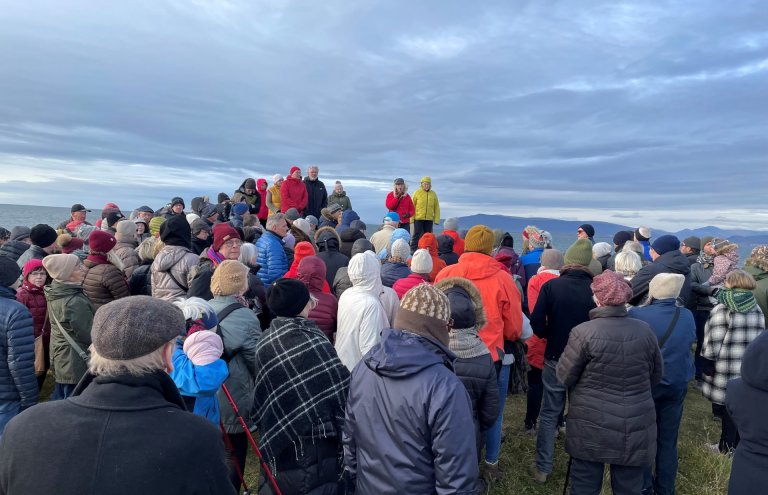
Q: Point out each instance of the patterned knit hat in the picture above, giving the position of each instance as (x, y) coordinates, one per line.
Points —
(580, 253)
(722, 246)
(479, 239)
(154, 225)
(758, 258)
(610, 288)
(401, 250)
(421, 262)
(534, 237)
(426, 311)
(229, 279)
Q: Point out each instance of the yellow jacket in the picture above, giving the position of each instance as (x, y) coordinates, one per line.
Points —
(274, 205)
(427, 206)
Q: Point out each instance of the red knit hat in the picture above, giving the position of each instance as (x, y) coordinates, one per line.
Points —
(31, 266)
(293, 169)
(222, 232)
(611, 289)
(101, 242)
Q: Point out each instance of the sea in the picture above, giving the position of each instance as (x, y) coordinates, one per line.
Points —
(12, 215)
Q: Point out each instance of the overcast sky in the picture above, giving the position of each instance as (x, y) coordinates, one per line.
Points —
(633, 112)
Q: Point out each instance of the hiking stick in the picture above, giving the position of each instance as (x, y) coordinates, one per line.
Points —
(236, 464)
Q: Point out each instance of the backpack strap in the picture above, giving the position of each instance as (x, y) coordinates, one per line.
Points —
(220, 316)
(670, 329)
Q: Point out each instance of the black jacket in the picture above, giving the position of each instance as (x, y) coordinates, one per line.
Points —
(478, 374)
(699, 275)
(563, 303)
(445, 250)
(317, 197)
(121, 435)
(13, 249)
(348, 238)
(328, 244)
(671, 262)
(140, 283)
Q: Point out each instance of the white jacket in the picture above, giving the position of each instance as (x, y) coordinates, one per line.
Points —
(362, 316)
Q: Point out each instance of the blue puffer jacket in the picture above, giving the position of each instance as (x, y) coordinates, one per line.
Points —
(347, 218)
(17, 351)
(392, 272)
(201, 382)
(678, 361)
(272, 258)
(406, 428)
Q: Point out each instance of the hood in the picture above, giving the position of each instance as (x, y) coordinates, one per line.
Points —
(429, 241)
(348, 217)
(754, 364)
(756, 272)
(444, 244)
(364, 271)
(169, 256)
(351, 235)
(58, 290)
(675, 261)
(474, 296)
(507, 256)
(311, 271)
(476, 266)
(260, 183)
(361, 245)
(176, 232)
(403, 354)
(301, 251)
(327, 239)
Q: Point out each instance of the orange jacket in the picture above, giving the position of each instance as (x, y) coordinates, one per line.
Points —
(429, 242)
(501, 299)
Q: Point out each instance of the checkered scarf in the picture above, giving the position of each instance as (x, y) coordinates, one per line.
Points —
(301, 386)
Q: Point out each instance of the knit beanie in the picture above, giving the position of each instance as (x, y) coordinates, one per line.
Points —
(552, 259)
(335, 207)
(665, 244)
(289, 240)
(588, 229)
(230, 278)
(401, 250)
(222, 198)
(292, 214)
(451, 224)
(203, 347)
(303, 225)
(176, 232)
(42, 235)
(421, 262)
(358, 225)
(250, 183)
(19, 233)
(706, 240)
(534, 237)
(277, 178)
(177, 201)
(134, 326)
(666, 286)
(479, 239)
(200, 225)
(287, 297)
(601, 249)
(68, 244)
(311, 219)
(61, 266)
(693, 242)
(621, 237)
(222, 232)
(191, 217)
(155, 224)
(610, 288)
(126, 231)
(426, 178)
(425, 311)
(239, 209)
(399, 180)
(9, 271)
(722, 246)
(293, 169)
(580, 253)
(101, 242)
(643, 233)
(31, 266)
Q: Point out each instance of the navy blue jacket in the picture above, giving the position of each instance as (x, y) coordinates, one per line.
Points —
(676, 353)
(272, 257)
(671, 262)
(17, 351)
(392, 272)
(531, 262)
(347, 218)
(406, 428)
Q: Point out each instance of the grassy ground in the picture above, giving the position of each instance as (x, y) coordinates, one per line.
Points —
(701, 472)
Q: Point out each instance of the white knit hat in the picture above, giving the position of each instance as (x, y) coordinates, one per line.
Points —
(601, 249)
(666, 286)
(421, 262)
(401, 249)
(277, 177)
(125, 231)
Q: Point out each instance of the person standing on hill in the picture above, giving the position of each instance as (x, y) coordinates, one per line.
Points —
(340, 197)
(667, 258)
(261, 188)
(400, 202)
(248, 194)
(317, 195)
(427, 209)
(273, 194)
(43, 239)
(293, 192)
(451, 229)
(77, 217)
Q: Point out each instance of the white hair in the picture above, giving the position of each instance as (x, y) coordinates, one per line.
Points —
(628, 263)
(273, 220)
(194, 308)
(142, 365)
(248, 254)
(313, 167)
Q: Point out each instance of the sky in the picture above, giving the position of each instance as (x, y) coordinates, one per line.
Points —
(640, 112)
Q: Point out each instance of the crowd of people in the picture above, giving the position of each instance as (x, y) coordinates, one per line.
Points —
(364, 362)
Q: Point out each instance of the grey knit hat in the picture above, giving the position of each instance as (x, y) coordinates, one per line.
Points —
(19, 233)
(135, 326)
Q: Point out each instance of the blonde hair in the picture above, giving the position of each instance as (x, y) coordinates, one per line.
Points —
(739, 279)
(143, 365)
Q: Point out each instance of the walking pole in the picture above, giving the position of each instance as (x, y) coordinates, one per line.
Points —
(236, 464)
(567, 475)
(252, 441)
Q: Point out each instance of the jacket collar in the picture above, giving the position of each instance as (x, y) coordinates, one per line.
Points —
(7, 293)
(127, 392)
(608, 312)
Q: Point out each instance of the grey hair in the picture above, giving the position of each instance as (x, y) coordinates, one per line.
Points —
(273, 220)
(628, 263)
(248, 254)
(313, 167)
(143, 365)
(194, 308)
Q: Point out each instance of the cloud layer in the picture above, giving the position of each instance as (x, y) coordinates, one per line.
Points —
(617, 111)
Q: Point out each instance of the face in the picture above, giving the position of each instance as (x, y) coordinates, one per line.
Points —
(580, 234)
(231, 249)
(313, 173)
(177, 208)
(262, 186)
(654, 254)
(78, 216)
(426, 186)
(249, 190)
(279, 183)
(685, 249)
(203, 235)
(709, 249)
(51, 249)
(141, 228)
(399, 188)
(296, 174)
(339, 188)
(146, 216)
(37, 277)
(281, 228)
(78, 275)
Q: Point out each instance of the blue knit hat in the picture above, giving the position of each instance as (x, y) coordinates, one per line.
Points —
(666, 244)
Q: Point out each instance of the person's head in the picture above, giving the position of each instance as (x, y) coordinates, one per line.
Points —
(479, 239)
(312, 223)
(610, 289)
(200, 229)
(601, 249)
(176, 231)
(44, 237)
(628, 263)
(335, 211)
(425, 311)
(289, 298)
(620, 238)
(295, 172)
(312, 172)
(230, 278)
(466, 304)
(277, 224)
(248, 254)
(291, 214)
(758, 258)
(361, 246)
(338, 188)
(303, 225)
(723, 246)
(707, 247)
(399, 187)
(145, 212)
(227, 241)
(739, 279)
(146, 249)
(664, 244)
(101, 242)
(21, 233)
(421, 262)
(9, 272)
(391, 218)
(400, 251)
(125, 231)
(690, 245)
(585, 231)
(155, 224)
(358, 225)
(134, 335)
(580, 253)
(249, 186)
(552, 259)
(34, 273)
(665, 286)
(532, 236)
(451, 223)
(68, 244)
(79, 212)
(142, 227)
(177, 205)
(426, 183)
(65, 268)
(277, 180)
(642, 233)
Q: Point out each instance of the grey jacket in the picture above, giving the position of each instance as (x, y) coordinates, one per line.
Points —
(178, 261)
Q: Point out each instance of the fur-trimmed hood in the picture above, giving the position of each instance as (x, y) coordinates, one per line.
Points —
(758, 258)
(474, 295)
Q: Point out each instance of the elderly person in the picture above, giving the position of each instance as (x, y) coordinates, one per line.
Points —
(627, 263)
(226, 246)
(317, 195)
(301, 393)
(611, 417)
(125, 400)
(381, 239)
(272, 257)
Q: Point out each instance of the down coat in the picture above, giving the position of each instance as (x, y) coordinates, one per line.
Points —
(271, 257)
(392, 271)
(293, 194)
(17, 351)
(610, 365)
(445, 245)
(126, 251)
(312, 272)
(33, 298)
(405, 284)
(69, 305)
(104, 282)
(406, 422)
(14, 249)
(177, 261)
(536, 344)
(328, 243)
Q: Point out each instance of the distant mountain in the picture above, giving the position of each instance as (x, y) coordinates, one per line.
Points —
(710, 230)
(517, 224)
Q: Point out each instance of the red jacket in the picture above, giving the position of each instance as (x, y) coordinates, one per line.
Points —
(293, 194)
(263, 210)
(535, 344)
(405, 284)
(458, 242)
(501, 299)
(312, 273)
(404, 209)
(33, 298)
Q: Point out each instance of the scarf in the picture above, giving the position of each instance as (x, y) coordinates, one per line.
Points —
(738, 300)
(705, 260)
(465, 343)
(301, 386)
(215, 257)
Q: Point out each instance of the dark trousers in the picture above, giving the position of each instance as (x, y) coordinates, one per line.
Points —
(587, 478)
(668, 400)
(700, 317)
(534, 398)
(729, 435)
(420, 227)
(239, 452)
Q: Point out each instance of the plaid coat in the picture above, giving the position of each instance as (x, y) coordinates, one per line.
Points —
(726, 337)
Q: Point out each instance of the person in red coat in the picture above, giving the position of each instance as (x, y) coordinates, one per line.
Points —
(421, 266)
(401, 203)
(451, 228)
(428, 241)
(31, 295)
(301, 251)
(261, 186)
(293, 192)
(312, 272)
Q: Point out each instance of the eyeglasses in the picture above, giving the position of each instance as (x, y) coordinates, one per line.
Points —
(233, 243)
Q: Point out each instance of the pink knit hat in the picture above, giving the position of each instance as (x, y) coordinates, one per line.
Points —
(611, 289)
(203, 347)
